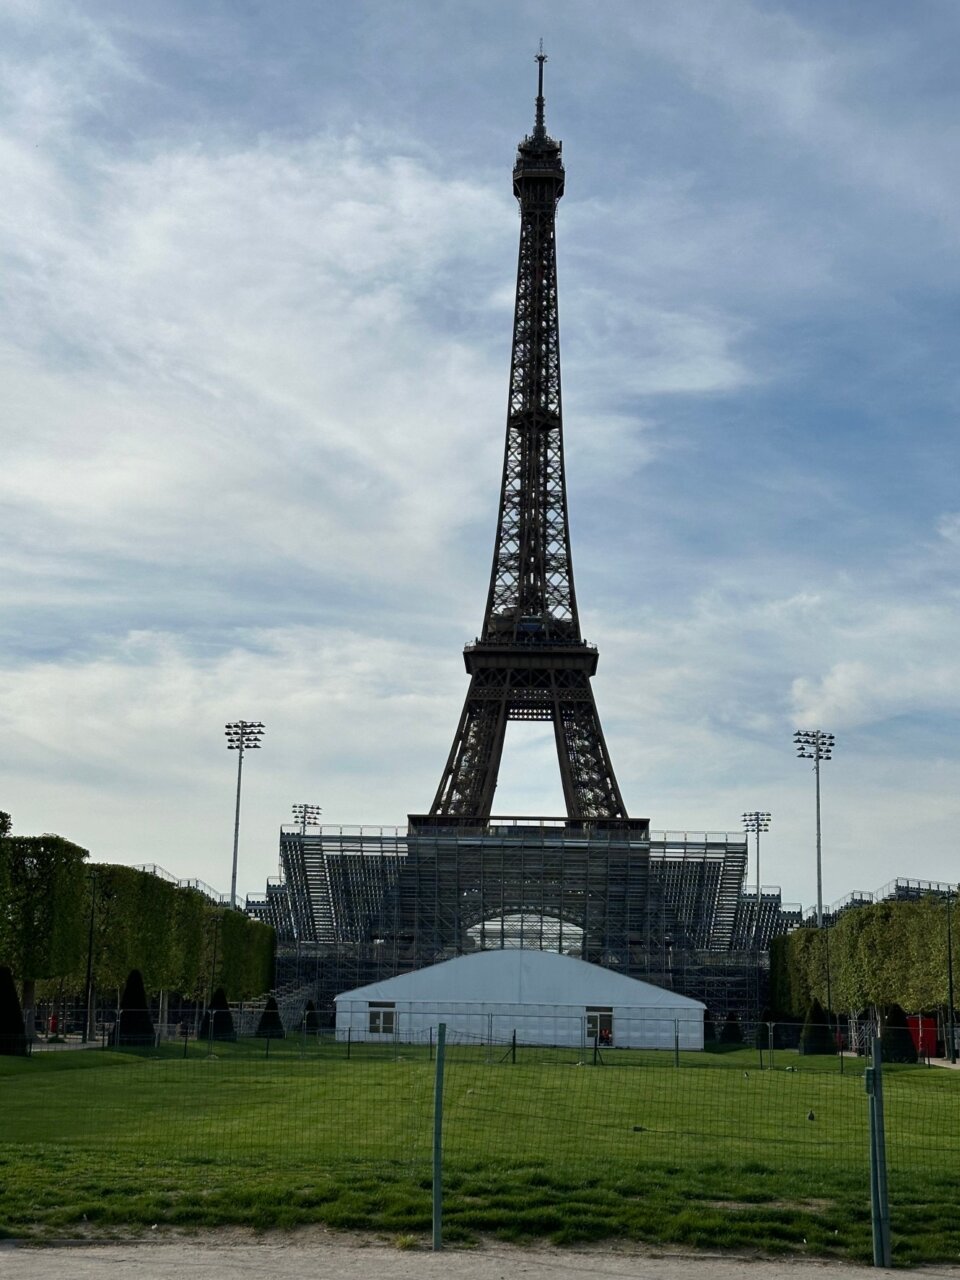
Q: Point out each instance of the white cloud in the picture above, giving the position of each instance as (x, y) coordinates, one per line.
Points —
(254, 378)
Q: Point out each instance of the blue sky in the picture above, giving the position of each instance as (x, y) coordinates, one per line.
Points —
(257, 279)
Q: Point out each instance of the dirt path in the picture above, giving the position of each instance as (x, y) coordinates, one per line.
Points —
(317, 1255)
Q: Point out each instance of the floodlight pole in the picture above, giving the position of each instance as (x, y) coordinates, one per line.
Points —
(757, 822)
(306, 814)
(242, 735)
(951, 1027)
(815, 745)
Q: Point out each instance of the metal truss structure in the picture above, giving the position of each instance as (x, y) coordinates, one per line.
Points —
(900, 890)
(370, 902)
(530, 661)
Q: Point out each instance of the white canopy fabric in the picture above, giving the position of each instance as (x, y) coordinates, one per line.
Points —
(517, 976)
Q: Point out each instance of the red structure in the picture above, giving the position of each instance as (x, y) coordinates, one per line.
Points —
(923, 1032)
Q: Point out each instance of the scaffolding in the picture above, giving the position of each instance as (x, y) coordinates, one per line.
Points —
(365, 903)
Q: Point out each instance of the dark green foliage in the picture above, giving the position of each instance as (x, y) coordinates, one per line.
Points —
(134, 1024)
(12, 1038)
(311, 1019)
(896, 1042)
(731, 1032)
(875, 955)
(709, 1029)
(42, 932)
(175, 936)
(6, 823)
(817, 1036)
(270, 1027)
(217, 1021)
(246, 954)
(783, 999)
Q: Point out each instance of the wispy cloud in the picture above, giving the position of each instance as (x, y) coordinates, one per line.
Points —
(254, 339)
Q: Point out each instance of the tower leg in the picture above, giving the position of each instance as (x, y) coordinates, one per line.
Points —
(470, 777)
(589, 785)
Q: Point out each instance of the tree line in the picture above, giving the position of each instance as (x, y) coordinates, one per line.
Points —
(875, 956)
(60, 914)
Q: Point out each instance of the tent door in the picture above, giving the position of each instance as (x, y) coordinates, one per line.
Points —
(600, 1026)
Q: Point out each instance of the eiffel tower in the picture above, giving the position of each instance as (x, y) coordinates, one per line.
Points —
(530, 661)
(379, 901)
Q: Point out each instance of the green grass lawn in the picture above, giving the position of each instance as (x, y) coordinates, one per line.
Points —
(717, 1153)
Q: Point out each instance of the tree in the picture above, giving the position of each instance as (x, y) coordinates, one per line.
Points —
(217, 1021)
(270, 1027)
(134, 1025)
(816, 1036)
(12, 1037)
(896, 1042)
(42, 932)
(6, 824)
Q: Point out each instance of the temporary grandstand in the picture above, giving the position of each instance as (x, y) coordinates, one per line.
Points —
(899, 890)
(367, 903)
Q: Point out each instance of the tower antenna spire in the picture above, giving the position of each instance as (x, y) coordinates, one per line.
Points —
(540, 128)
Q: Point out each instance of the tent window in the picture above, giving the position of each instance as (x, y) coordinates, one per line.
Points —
(383, 1019)
(600, 1025)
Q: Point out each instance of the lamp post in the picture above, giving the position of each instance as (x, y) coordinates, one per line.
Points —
(951, 1029)
(88, 986)
(306, 815)
(815, 745)
(756, 822)
(242, 735)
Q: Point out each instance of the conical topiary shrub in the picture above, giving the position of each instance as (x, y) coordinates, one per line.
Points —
(731, 1032)
(896, 1042)
(134, 1025)
(13, 1039)
(217, 1021)
(311, 1019)
(270, 1027)
(817, 1036)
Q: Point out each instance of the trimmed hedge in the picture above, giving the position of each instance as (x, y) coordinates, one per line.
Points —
(175, 937)
(882, 954)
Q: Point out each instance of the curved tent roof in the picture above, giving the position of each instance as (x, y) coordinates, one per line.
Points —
(519, 976)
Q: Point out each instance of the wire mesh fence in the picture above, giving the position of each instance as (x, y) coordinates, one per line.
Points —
(751, 1142)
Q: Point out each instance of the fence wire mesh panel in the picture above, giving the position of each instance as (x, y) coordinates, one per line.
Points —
(568, 1129)
(922, 1127)
(260, 1131)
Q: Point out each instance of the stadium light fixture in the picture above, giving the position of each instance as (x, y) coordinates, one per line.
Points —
(242, 735)
(815, 745)
(951, 1026)
(306, 815)
(755, 823)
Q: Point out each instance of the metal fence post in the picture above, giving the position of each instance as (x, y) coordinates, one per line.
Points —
(879, 1200)
(676, 1042)
(438, 1139)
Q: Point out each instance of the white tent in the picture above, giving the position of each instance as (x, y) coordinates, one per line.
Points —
(542, 996)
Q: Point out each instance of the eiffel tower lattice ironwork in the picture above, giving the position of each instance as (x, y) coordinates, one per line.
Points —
(530, 661)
